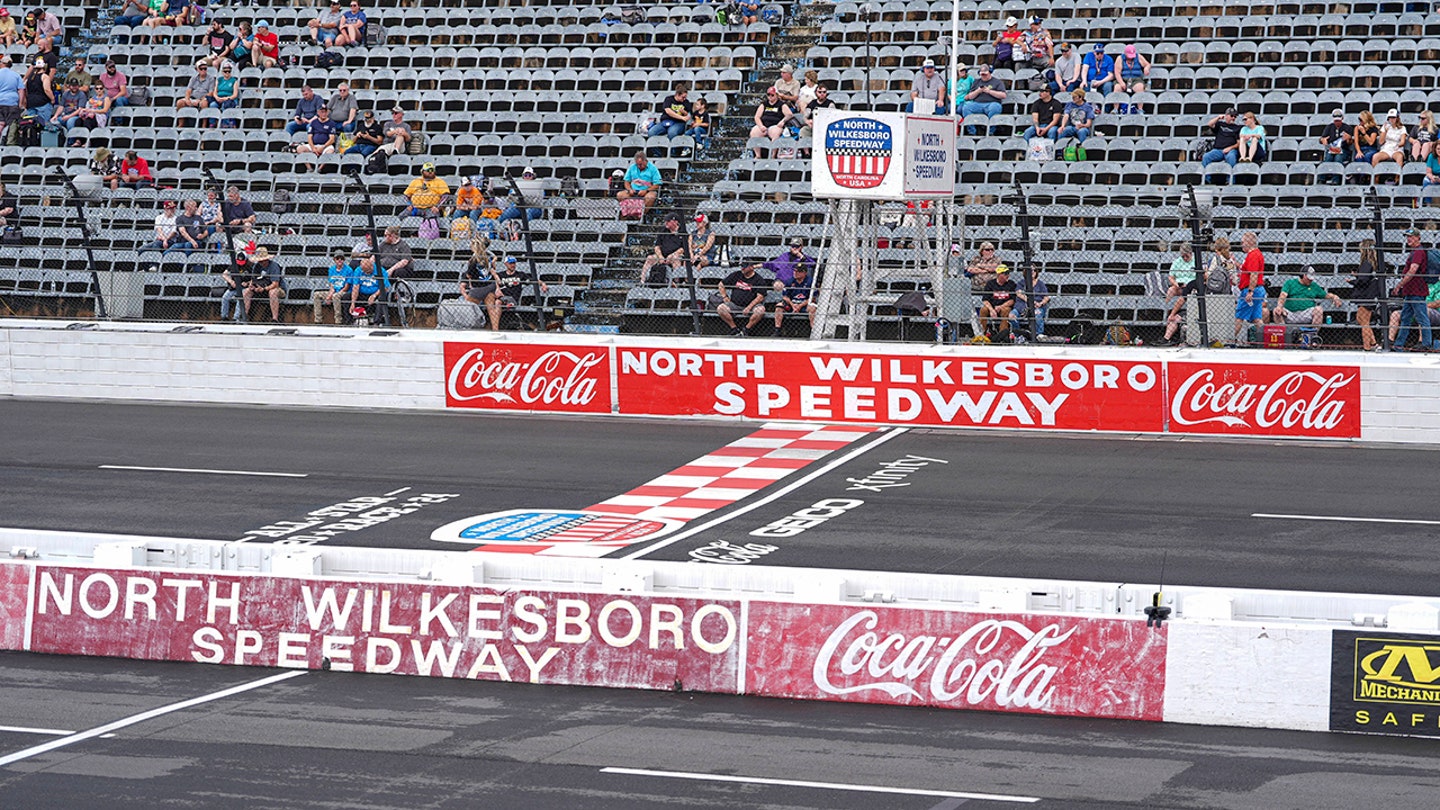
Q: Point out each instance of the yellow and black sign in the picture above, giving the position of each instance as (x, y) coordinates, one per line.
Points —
(1385, 684)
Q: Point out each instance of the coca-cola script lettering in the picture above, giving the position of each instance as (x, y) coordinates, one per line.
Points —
(1264, 400)
(527, 377)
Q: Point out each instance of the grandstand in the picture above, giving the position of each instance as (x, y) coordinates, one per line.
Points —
(564, 87)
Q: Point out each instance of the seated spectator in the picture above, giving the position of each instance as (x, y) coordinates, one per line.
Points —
(782, 267)
(344, 111)
(1039, 46)
(1097, 72)
(998, 302)
(135, 171)
(822, 102)
(190, 231)
(1065, 77)
(928, 85)
(307, 109)
(981, 269)
(266, 52)
(67, 108)
(962, 84)
(116, 86)
(787, 87)
(166, 14)
(1338, 142)
(9, 36)
(1422, 137)
(1020, 313)
(95, 114)
(797, 296)
(1392, 141)
(269, 282)
(1366, 136)
(394, 255)
(368, 135)
(807, 91)
(468, 199)
(770, 118)
(397, 133)
(212, 213)
(668, 254)
(426, 193)
(27, 30)
(699, 127)
(1253, 145)
(106, 166)
(1302, 300)
(749, 12)
(1182, 282)
(532, 193)
(165, 230)
(336, 292)
(200, 87)
(48, 33)
(641, 180)
(1078, 120)
(131, 14)
(237, 281)
(9, 207)
(242, 46)
(512, 281)
(742, 293)
(1009, 44)
(1046, 117)
(702, 243)
(1130, 74)
(219, 44)
(227, 88)
(236, 211)
(1226, 146)
(986, 97)
(326, 27)
(80, 75)
(480, 283)
(322, 138)
(674, 114)
(352, 27)
(1431, 178)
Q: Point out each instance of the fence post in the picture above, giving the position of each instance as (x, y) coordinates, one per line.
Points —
(524, 208)
(1382, 307)
(85, 232)
(1197, 247)
(1028, 252)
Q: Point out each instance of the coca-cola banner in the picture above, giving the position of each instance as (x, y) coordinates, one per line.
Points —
(590, 639)
(1038, 664)
(975, 391)
(1264, 400)
(528, 377)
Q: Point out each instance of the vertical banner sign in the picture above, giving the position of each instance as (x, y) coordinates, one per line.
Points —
(1036, 664)
(844, 387)
(527, 377)
(1264, 400)
(1384, 683)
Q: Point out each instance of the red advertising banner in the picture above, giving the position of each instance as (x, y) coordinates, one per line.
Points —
(14, 587)
(518, 376)
(1264, 400)
(969, 392)
(1037, 664)
(410, 629)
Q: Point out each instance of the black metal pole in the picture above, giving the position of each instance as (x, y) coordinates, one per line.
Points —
(867, 13)
(1197, 247)
(369, 212)
(1382, 307)
(1029, 254)
(694, 296)
(85, 232)
(524, 205)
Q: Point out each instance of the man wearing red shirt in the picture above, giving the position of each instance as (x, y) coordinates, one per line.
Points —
(1413, 289)
(267, 45)
(135, 171)
(1250, 300)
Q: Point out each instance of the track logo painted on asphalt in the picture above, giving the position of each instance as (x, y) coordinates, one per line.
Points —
(549, 526)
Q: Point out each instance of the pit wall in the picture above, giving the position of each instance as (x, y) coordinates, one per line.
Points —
(1223, 657)
(1301, 394)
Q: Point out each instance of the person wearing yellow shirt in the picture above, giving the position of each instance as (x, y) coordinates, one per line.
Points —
(426, 193)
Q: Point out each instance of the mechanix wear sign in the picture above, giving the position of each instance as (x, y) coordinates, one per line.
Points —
(1385, 684)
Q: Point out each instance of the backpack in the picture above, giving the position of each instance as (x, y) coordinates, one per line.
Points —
(281, 203)
(1219, 281)
(632, 15)
(1117, 335)
(1003, 51)
(378, 162)
(329, 59)
(1074, 152)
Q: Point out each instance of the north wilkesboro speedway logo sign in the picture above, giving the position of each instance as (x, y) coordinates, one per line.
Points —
(533, 531)
(1385, 684)
(858, 151)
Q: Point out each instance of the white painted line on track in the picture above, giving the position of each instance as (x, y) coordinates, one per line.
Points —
(1343, 519)
(397, 491)
(206, 472)
(756, 780)
(100, 731)
(53, 732)
(779, 493)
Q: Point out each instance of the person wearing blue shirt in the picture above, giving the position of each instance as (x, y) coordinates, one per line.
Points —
(641, 180)
(1097, 71)
(338, 283)
(323, 134)
(368, 288)
(1020, 315)
(11, 83)
(1078, 119)
(307, 109)
(352, 27)
(798, 297)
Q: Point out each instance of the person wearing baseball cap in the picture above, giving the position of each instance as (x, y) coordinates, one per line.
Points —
(1302, 300)
(1338, 141)
(528, 191)
(1132, 71)
(928, 86)
(1097, 71)
(267, 46)
(787, 86)
(668, 254)
(1392, 140)
(1226, 146)
(1066, 76)
(11, 85)
(426, 193)
(702, 243)
(237, 280)
(1413, 291)
(166, 230)
(986, 97)
(1039, 46)
(783, 267)
(771, 116)
(998, 301)
(1009, 44)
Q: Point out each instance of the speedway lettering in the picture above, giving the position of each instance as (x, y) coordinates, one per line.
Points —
(1264, 400)
(527, 377)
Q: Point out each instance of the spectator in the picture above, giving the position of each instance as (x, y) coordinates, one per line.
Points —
(190, 230)
(1078, 120)
(782, 267)
(27, 30)
(40, 95)
(131, 14)
(531, 192)
(368, 135)
(352, 27)
(49, 57)
(1250, 299)
(1182, 281)
(95, 114)
(9, 36)
(67, 110)
(326, 27)
(749, 12)
(165, 14)
(1009, 44)
(1366, 136)
(237, 211)
(674, 114)
(9, 207)
(1413, 292)
(80, 75)
(242, 47)
(1226, 146)
(307, 109)
(1130, 74)
(770, 118)
(165, 230)
(1020, 313)
(266, 51)
(12, 84)
(212, 214)
(116, 86)
(479, 282)
(468, 200)
(1039, 46)
(1392, 141)
(981, 269)
(1097, 72)
(741, 293)
(699, 128)
(344, 111)
(426, 193)
(641, 180)
(668, 253)
(1366, 292)
(200, 88)
(1066, 75)
(237, 281)
(985, 98)
(927, 86)
(226, 95)
(1422, 137)
(999, 300)
(1253, 146)
(822, 102)
(397, 133)
(1338, 142)
(962, 84)
(807, 92)
(787, 86)
(797, 296)
(106, 166)
(135, 171)
(1046, 115)
(511, 280)
(335, 292)
(269, 281)
(219, 43)
(395, 256)
(48, 32)
(702, 243)
(1431, 178)
(323, 135)
(1302, 300)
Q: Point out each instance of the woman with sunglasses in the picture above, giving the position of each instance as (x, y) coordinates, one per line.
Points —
(352, 27)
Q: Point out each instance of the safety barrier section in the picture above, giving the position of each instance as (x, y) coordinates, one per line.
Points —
(1222, 657)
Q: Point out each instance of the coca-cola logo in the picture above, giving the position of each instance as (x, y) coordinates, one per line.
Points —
(556, 377)
(995, 660)
(1305, 399)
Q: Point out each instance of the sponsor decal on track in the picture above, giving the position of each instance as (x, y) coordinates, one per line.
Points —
(340, 519)
(1264, 400)
(1385, 684)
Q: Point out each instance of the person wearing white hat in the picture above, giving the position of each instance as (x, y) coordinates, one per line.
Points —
(469, 199)
(928, 85)
(530, 189)
(1009, 44)
(787, 86)
(1392, 140)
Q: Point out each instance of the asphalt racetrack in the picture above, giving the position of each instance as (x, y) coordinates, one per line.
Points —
(78, 732)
